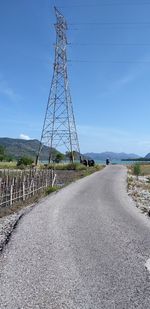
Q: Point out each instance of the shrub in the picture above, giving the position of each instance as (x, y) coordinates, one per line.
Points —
(2, 153)
(79, 167)
(24, 161)
(9, 159)
(67, 166)
(1, 158)
(59, 157)
(21, 166)
(72, 155)
(137, 169)
(50, 190)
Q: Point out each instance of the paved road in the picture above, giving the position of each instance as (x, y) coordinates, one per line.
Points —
(84, 247)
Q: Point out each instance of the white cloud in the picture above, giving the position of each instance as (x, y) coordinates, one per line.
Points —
(125, 80)
(8, 91)
(24, 136)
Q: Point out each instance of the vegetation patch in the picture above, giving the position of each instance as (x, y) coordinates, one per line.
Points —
(144, 169)
(50, 190)
(137, 169)
(8, 165)
(15, 208)
(73, 166)
(66, 166)
(24, 161)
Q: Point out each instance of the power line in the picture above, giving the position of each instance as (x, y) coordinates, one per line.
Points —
(145, 23)
(142, 23)
(108, 44)
(112, 23)
(105, 4)
(105, 61)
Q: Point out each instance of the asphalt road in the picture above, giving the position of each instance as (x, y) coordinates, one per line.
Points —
(83, 247)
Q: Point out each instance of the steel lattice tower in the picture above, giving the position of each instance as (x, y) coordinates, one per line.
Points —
(59, 128)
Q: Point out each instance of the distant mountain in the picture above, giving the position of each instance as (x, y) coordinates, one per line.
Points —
(111, 155)
(19, 147)
(147, 156)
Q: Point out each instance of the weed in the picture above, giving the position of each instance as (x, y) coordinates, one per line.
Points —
(129, 181)
(137, 169)
(7, 165)
(50, 190)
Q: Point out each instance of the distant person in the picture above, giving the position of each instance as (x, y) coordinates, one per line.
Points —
(107, 161)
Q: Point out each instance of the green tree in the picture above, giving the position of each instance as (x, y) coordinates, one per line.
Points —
(72, 155)
(137, 169)
(59, 157)
(24, 161)
(8, 158)
(2, 153)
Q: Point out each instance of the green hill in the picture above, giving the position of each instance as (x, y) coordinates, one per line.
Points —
(17, 148)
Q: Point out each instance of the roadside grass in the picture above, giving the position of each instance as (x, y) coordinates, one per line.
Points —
(65, 166)
(71, 167)
(57, 166)
(8, 165)
(80, 173)
(50, 190)
(92, 169)
(5, 211)
(144, 169)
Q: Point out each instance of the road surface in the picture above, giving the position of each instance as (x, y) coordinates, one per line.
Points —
(83, 247)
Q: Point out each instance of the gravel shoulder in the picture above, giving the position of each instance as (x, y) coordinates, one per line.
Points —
(139, 190)
(8, 224)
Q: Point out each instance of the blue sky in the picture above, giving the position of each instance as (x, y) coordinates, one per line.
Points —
(109, 70)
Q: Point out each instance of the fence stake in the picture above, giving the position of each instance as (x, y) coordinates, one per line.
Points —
(33, 187)
(52, 176)
(53, 180)
(11, 194)
(23, 190)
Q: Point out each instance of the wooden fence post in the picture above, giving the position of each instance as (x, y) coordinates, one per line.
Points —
(53, 180)
(52, 177)
(23, 191)
(33, 187)
(11, 195)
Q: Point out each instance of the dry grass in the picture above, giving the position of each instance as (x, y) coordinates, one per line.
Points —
(8, 165)
(5, 211)
(145, 169)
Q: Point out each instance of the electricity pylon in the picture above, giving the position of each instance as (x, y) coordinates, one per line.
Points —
(59, 128)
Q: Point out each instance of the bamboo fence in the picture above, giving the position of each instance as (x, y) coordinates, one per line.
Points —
(24, 185)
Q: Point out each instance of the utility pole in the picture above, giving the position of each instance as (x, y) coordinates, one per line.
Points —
(59, 128)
